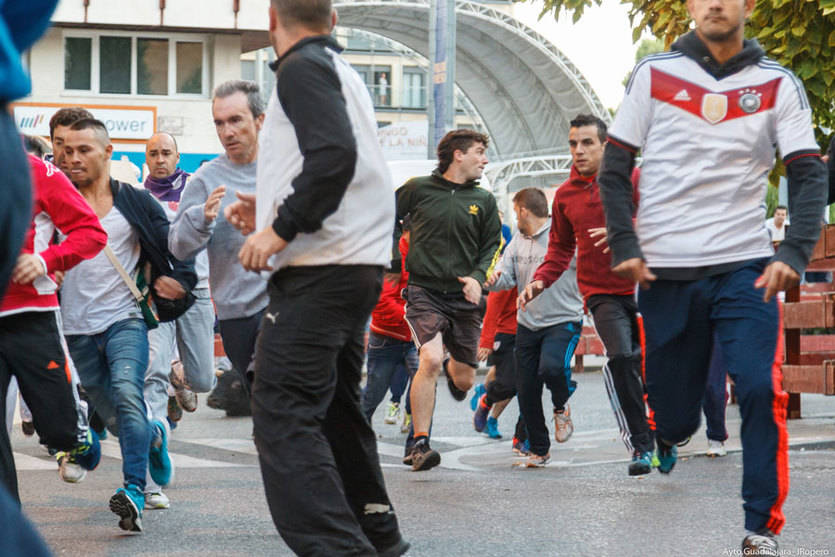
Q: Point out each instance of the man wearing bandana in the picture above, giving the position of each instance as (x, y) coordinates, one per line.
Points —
(192, 334)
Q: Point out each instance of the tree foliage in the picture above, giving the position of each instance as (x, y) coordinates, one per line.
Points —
(799, 34)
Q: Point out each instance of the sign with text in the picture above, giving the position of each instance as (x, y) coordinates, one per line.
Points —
(123, 122)
(404, 140)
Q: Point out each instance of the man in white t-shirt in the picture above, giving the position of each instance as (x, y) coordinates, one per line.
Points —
(776, 225)
(105, 331)
(707, 116)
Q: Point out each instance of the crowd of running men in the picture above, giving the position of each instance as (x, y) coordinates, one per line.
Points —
(286, 241)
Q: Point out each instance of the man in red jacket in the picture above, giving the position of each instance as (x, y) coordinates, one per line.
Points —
(390, 343)
(578, 222)
(497, 344)
(32, 347)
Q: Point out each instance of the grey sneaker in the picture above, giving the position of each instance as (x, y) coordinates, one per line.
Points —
(563, 426)
(156, 500)
(763, 542)
(68, 469)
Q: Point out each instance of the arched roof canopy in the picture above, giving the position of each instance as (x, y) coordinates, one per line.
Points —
(525, 90)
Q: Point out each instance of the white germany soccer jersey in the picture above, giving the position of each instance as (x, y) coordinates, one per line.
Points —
(708, 146)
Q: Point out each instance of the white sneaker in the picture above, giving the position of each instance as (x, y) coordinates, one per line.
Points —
(156, 500)
(393, 413)
(715, 448)
(69, 470)
(563, 426)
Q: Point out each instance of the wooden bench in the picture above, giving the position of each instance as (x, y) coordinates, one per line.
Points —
(810, 359)
(590, 344)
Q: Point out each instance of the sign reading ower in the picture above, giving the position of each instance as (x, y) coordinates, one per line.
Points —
(124, 123)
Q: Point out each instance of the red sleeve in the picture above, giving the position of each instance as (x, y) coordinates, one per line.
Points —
(495, 303)
(561, 244)
(70, 214)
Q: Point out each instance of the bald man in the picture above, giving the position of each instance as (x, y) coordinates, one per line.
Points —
(190, 338)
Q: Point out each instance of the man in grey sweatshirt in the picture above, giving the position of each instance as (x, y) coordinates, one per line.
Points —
(239, 295)
(548, 330)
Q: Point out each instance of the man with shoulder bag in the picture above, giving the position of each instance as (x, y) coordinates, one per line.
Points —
(106, 330)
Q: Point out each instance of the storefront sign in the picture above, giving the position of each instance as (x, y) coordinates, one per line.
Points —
(123, 122)
(404, 140)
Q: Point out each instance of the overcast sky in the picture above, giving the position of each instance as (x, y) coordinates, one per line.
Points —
(600, 44)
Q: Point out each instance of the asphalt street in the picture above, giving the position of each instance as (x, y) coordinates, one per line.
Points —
(476, 503)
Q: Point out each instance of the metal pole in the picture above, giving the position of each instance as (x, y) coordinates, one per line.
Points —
(441, 110)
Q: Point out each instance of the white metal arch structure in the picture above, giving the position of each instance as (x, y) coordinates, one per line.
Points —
(524, 88)
(501, 174)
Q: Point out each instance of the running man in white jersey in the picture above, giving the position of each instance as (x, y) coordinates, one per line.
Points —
(707, 117)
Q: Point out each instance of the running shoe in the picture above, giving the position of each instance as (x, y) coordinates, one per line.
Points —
(396, 550)
(175, 411)
(28, 428)
(716, 448)
(537, 461)
(763, 542)
(393, 413)
(187, 399)
(156, 500)
(667, 456)
(493, 428)
(563, 426)
(641, 463)
(456, 393)
(521, 448)
(407, 423)
(128, 503)
(478, 390)
(159, 463)
(68, 469)
(73, 465)
(423, 457)
(481, 413)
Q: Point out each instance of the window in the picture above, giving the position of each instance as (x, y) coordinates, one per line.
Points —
(189, 68)
(152, 66)
(414, 88)
(248, 70)
(77, 56)
(378, 81)
(122, 64)
(114, 74)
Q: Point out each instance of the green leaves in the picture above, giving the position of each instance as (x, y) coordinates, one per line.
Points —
(799, 34)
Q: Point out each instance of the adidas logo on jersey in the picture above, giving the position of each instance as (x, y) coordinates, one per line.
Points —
(683, 96)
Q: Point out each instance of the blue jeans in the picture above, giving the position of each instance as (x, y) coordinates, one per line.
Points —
(386, 356)
(112, 369)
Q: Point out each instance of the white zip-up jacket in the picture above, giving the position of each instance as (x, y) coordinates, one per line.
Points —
(322, 182)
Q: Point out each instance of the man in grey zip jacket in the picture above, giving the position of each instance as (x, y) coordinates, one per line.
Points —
(240, 296)
(549, 328)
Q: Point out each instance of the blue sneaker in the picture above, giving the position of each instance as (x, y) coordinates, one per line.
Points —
(493, 428)
(478, 390)
(641, 463)
(128, 504)
(159, 463)
(480, 416)
(667, 456)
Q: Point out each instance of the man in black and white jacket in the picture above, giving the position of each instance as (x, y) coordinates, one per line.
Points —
(323, 212)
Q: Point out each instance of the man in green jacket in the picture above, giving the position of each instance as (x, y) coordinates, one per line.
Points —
(455, 238)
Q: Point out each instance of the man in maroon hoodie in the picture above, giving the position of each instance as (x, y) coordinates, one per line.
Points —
(578, 222)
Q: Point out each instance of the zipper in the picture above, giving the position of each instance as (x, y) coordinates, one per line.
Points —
(449, 231)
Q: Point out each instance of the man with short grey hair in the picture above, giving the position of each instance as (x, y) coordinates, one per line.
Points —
(240, 297)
